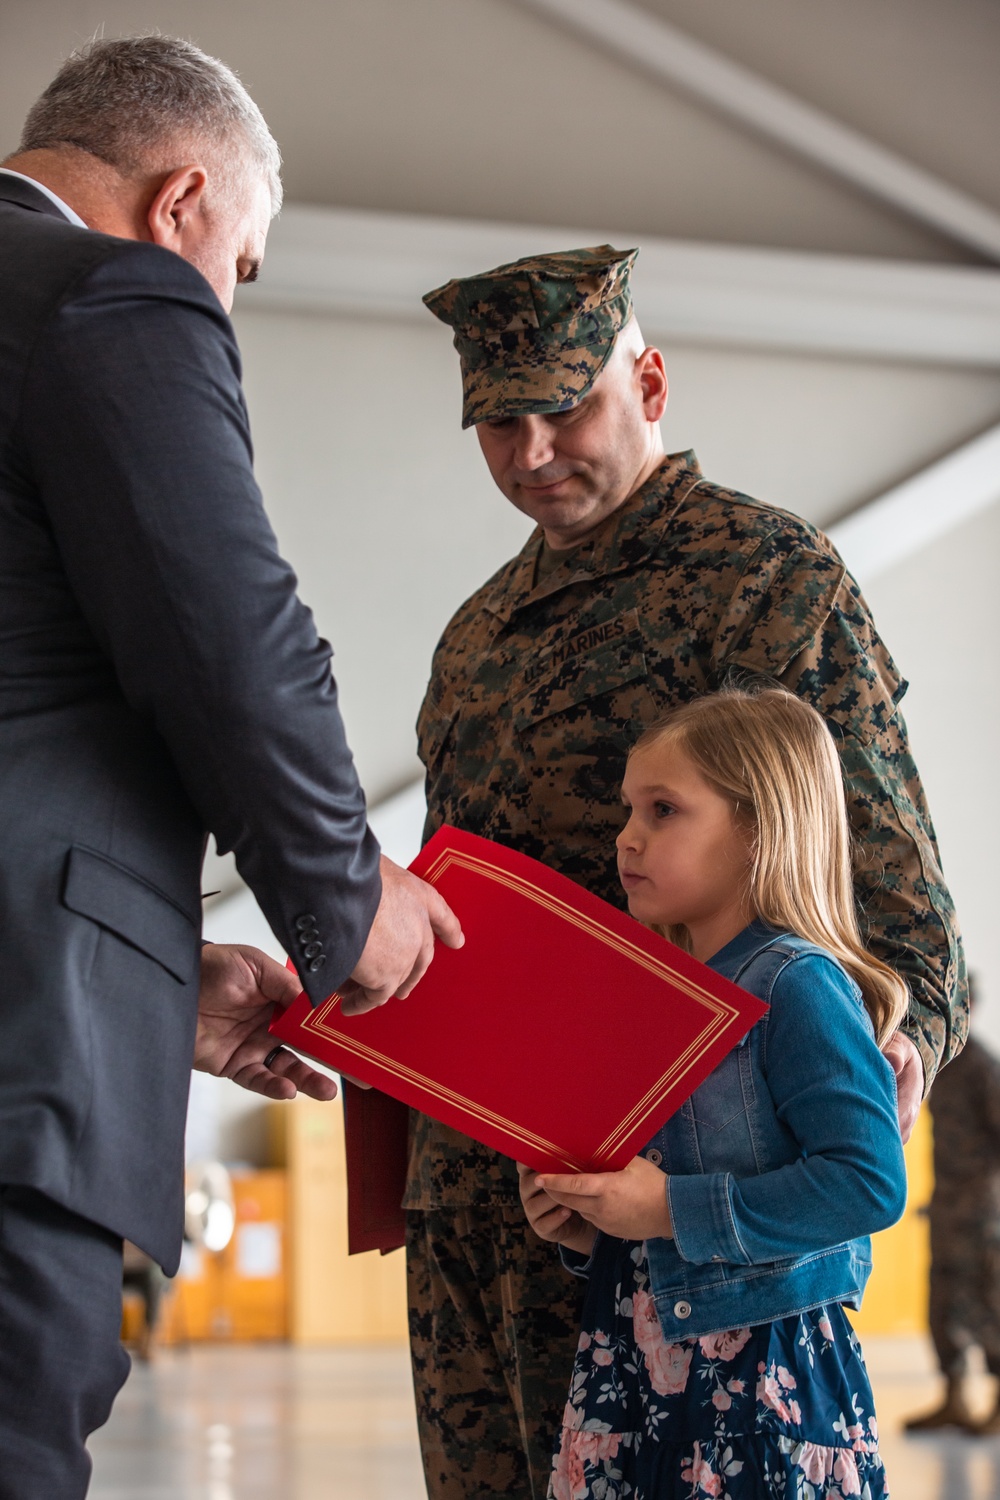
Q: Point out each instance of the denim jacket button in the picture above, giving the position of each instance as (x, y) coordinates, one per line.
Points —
(682, 1309)
(654, 1156)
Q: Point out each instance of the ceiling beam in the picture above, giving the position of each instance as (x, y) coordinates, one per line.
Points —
(669, 55)
(921, 510)
(379, 264)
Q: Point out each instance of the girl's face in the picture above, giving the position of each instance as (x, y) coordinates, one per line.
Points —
(683, 857)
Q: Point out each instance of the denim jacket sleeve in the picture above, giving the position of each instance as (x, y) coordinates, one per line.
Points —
(835, 1093)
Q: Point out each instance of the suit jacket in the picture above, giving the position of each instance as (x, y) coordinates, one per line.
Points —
(158, 678)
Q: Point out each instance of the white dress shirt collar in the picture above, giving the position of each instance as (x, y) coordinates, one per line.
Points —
(64, 208)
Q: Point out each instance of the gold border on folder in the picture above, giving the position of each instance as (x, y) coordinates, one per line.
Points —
(721, 1014)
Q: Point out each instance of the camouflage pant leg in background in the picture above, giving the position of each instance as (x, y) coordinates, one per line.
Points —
(494, 1324)
(965, 1304)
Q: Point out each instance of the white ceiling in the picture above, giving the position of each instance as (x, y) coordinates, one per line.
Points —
(482, 109)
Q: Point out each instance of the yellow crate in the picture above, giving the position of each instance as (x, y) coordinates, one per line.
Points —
(335, 1298)
(896, 1299)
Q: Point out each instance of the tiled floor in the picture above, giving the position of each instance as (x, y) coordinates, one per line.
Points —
(242, 1423)
(245, 1422)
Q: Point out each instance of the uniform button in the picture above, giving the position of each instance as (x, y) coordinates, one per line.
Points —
(314, 950)
(305, 921)
(654, 1156)
(316, 964)
(682, 1309)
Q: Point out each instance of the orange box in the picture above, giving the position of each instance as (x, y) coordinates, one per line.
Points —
(240, 1293)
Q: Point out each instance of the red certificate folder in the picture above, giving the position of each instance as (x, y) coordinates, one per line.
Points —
(562, 1034)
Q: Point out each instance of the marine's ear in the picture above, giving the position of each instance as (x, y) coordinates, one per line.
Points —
(651, 377)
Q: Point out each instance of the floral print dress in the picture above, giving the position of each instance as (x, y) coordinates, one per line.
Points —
(783, 1409)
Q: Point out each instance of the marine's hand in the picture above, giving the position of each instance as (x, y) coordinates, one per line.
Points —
(549, 1219)
(241, 988)
(630, 1204)
(400, 945)
(909, 1070)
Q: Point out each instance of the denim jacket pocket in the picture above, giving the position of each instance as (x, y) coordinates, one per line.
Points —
(727, 1093)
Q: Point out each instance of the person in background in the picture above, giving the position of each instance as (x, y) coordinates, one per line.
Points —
(964, 1214)
(715, 1355)
(642, 586)
(141, 1274)
(160, 680)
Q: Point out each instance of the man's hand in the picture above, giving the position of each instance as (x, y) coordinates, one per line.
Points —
(908, 1067)
(241, 988)
(631, 1204)
(549, 1220)
(400, 945)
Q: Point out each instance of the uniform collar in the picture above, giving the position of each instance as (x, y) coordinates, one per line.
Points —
(623, 540)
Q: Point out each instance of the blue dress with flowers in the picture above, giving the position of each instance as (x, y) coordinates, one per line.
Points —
(783, 1409)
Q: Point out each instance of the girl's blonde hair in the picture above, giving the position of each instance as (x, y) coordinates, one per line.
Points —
(773, 757)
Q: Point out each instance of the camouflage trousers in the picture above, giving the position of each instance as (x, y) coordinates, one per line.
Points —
(494, 1324)
(965, 1301)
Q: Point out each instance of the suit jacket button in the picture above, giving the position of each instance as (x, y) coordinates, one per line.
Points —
(305, 921)
(314, 950)
(315, 964)
(682, 1309)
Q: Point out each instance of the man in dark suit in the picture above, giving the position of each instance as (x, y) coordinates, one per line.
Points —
(158, 679)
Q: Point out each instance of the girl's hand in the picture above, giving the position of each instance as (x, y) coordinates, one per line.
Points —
(550, 1220)
(631, 1204)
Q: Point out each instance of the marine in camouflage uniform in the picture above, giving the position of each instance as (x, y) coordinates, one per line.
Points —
(541, 682)
(964, 1215)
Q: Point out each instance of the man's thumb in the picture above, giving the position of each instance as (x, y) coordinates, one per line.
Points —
(443, 920)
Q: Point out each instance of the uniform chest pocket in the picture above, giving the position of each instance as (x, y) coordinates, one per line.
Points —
(435, 731)
(608, 688)
(574, 725)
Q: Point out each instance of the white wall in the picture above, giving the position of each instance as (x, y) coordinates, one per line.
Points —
(940, 612)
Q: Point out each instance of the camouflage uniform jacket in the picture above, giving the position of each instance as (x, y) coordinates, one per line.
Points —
(537, 691)
(965, 1106)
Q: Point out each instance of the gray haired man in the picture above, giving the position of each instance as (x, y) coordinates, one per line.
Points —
(160, 679)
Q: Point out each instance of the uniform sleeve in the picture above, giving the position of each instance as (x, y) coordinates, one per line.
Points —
(135, 436)
(835, 1094)
(808, 627)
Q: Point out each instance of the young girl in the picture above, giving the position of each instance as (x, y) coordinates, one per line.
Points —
(715, 1358)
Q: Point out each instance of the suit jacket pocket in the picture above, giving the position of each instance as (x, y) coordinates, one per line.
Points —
(117, 898)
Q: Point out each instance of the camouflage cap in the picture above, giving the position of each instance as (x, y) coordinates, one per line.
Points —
(533, 335)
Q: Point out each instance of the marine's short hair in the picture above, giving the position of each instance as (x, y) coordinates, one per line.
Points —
(123, 99)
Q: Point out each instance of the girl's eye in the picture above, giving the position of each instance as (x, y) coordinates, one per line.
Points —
(663, 809)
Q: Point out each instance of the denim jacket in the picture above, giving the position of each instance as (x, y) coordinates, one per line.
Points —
(785, 1159)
